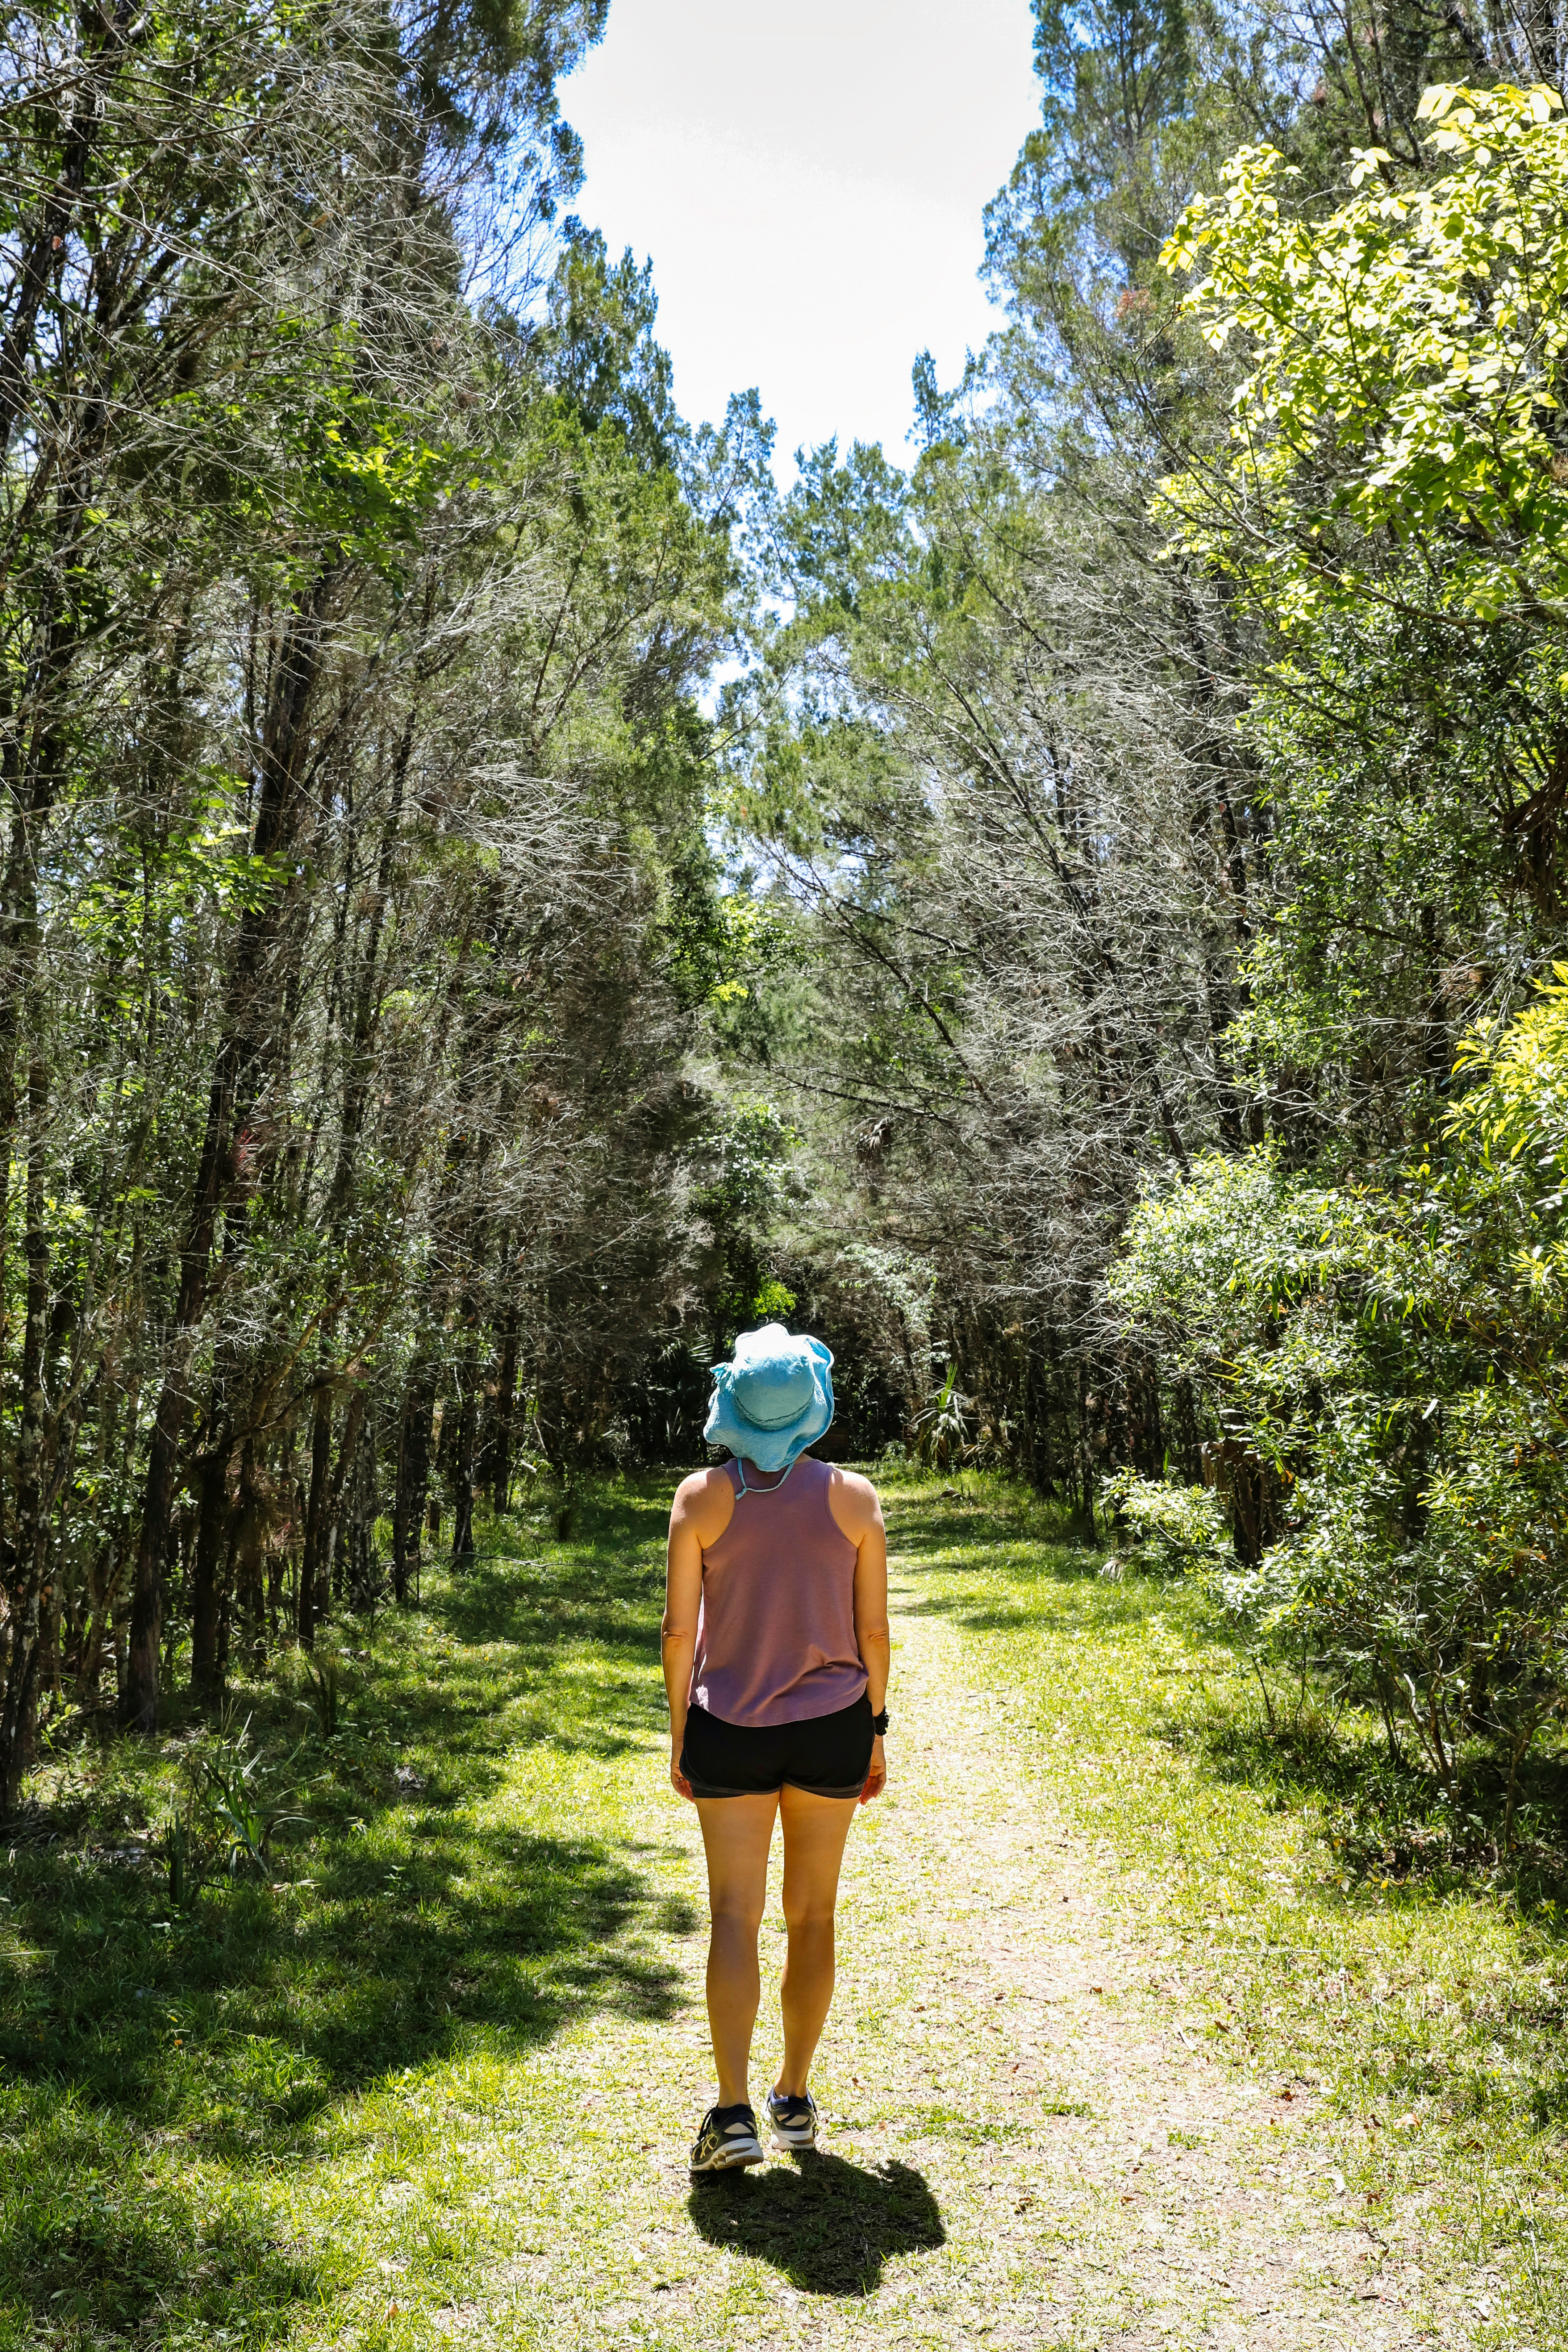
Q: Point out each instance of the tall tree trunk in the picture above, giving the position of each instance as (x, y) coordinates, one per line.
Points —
(499, 1466)
(358, 1504)
(463, 1447)
(23, 1633)
(101, 1580)
(139, 1693)
(249, 1594)
(312, 1601)
(329, 1584)
(208, 1577)
(255, 989)
(412, 1477)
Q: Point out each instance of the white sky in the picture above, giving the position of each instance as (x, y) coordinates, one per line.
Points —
(807, 177)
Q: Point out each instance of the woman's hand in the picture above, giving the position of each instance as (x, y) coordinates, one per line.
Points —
(877, 1778)
(678, 1780)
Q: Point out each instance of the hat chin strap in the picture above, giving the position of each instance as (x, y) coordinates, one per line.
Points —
(740, 1467)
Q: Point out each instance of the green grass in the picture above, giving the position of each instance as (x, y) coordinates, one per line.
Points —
(1429, 2011)
(321, 2105)
(194, 2097)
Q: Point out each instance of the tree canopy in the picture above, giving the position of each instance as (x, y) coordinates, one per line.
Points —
(497, 896)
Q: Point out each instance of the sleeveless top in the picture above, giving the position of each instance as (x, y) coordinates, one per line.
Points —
(776, 1633)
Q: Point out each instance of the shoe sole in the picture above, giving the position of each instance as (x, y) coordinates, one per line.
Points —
(747, 2153)
(793, 2136)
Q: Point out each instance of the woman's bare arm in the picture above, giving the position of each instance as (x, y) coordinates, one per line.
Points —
(860, 1513)
(699, 1516)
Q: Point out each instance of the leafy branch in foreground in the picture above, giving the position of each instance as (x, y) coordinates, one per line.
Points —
(1397, 434)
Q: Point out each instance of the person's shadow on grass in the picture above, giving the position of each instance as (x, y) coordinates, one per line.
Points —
(828, 2225)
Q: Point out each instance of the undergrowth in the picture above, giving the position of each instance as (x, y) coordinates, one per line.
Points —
(287, 2004)
(1339, 1925)
(215, 1952)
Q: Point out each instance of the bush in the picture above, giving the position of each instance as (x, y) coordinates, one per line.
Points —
(1170, 1527)
(1392, 1357)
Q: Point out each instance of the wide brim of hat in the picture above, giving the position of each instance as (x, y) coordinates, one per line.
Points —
(769, 1449)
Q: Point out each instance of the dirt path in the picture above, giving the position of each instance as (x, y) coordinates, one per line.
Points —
(1030, 2142)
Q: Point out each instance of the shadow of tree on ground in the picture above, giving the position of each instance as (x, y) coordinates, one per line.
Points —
(405, 1919)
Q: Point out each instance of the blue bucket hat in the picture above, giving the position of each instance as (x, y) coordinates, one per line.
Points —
(773, 1400)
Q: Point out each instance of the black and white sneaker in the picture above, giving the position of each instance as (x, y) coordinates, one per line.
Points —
(793, 2119)
(726, 2140)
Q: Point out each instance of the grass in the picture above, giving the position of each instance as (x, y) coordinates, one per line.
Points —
(198, 2099)
(322, 2101)
(1429, 2011)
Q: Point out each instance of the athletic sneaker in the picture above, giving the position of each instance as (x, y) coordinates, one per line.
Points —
(726, 2139)
(794, 2118)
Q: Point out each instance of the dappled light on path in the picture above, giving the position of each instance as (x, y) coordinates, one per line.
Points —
(1035, 2136)
(436, 2082)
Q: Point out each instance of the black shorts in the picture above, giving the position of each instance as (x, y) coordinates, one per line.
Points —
(827, 1756)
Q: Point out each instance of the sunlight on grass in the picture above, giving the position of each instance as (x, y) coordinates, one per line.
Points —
(386, 2092)
(223, 2112)
(1429, 2014)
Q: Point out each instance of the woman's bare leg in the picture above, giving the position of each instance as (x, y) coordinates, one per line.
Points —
(814, 1829)
(737, 1833)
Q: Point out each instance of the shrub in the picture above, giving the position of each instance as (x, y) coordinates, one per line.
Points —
(1170, 1527)
(1393, 1357)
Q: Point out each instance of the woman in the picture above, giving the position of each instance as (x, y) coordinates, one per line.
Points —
(776, 1660)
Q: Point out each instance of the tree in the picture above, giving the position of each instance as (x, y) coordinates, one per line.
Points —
(356, 872)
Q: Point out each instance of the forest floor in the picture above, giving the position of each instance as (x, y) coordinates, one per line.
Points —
(1122, 2055)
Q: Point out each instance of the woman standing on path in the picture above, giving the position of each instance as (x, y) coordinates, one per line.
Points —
(776, 1660)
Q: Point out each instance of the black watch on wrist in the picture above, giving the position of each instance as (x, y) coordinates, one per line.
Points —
(879, 1723)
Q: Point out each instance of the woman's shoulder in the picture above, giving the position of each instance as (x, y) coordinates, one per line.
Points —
(853, 1500)
(704, 1502)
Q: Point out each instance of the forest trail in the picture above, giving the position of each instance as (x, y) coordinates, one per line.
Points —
(1030, 2143)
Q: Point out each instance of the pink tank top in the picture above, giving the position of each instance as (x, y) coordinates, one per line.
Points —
(776, 1633)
